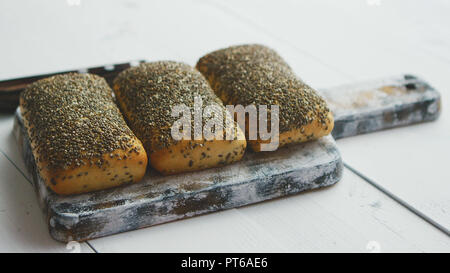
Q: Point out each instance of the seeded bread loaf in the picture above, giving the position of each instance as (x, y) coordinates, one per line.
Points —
(255, 74)
(146, 95)
(78, 136)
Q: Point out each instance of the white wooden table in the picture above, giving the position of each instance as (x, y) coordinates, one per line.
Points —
(395, 194)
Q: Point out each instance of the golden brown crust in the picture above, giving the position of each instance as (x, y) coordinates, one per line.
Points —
(146, 94)
(77, 171)
(88, 178)
(255, 74)
(210, 154)
(308, 132)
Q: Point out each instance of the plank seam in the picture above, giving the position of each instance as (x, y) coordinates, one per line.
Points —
(92, 247)
(31, 183)
(14, 164)
(399, 200)
(247, 21)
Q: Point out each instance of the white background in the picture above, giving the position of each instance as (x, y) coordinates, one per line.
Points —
(327, 43)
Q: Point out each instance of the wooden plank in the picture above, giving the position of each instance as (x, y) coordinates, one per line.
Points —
(356, 50)
(8, 145)
(409, 162)
(23, 228)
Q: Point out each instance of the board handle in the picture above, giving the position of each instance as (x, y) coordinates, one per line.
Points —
(375, 105)
(10, 89)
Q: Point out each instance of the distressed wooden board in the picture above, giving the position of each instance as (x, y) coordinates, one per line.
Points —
(359, 108)
(158, 199)
(381, 104)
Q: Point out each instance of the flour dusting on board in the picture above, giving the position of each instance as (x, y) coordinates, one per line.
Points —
(381, 104)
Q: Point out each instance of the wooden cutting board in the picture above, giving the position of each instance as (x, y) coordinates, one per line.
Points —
(158, 199)
(358, 108)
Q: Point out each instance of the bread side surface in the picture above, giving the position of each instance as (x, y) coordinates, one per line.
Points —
(255, 74)
(79, 139)
(146, 95)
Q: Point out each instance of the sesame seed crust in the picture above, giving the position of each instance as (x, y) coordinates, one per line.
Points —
(146, 95)
(149, 91)
(256, 74)
(73, 121)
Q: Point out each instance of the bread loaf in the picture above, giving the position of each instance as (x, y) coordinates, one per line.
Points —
(255, 74)
(146, 95)
(78, 136)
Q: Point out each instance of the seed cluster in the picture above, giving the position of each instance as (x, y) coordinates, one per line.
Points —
(73, 121)
(255, 74)
(149, 91)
